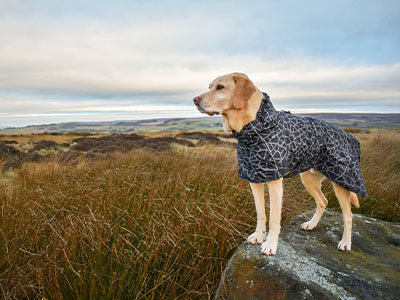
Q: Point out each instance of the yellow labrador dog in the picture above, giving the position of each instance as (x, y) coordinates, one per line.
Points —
(275, 145)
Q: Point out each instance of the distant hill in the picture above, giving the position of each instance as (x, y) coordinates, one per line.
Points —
(353, 120)
(122, 126)
(358, 120)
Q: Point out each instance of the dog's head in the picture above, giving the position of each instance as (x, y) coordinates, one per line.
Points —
(227, 92)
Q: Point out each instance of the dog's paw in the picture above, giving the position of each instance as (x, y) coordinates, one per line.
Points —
(344, 245)
(256, 238)
(269, 246)
(310, 225)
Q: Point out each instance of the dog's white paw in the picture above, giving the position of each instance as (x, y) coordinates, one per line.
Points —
(269, 246)
(256, 237)
(344, 245)
(310, 225)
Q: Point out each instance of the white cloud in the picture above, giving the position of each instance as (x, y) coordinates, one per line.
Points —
(80, 64)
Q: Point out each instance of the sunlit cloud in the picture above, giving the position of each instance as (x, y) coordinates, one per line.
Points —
(126, 60)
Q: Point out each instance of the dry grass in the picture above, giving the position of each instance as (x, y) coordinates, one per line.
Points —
(140, 226)
(35, 137)
(148, 225)
(380, 164)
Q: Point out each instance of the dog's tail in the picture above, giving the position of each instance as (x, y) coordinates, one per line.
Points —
(354, 199)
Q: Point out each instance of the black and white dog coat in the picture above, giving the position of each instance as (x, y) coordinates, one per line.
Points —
(279, 144)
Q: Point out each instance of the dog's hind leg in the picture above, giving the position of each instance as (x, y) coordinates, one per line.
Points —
(312, 183)
(344, 197)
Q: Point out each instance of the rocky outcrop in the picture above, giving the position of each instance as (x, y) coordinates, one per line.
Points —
(308, 265)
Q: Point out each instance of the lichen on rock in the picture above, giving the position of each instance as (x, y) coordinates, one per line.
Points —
(309, 266)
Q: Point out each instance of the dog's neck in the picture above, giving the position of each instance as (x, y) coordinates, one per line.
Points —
(236, 119)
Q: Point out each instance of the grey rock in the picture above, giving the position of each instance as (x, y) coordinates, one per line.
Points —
(309, 266)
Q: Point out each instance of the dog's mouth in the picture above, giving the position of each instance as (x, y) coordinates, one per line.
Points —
(203, 111)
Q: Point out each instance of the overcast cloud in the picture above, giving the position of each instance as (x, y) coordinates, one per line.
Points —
(101, 60)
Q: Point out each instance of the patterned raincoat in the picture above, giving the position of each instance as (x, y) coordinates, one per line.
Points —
(279, 144)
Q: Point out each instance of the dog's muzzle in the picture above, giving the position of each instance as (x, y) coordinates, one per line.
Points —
(196, 101)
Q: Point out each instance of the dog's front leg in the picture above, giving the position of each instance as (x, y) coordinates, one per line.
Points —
(275, 189)
(258, 192)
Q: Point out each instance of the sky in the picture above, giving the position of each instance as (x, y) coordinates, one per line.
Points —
(63, 61)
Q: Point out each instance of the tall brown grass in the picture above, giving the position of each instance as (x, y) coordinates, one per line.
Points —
(380, 165)
(146, 225)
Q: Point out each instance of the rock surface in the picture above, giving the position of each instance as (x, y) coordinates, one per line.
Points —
(308, 265)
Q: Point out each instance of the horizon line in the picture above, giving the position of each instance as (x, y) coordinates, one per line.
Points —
(173, 118)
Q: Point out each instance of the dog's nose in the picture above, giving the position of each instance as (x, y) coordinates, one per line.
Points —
(196, 100)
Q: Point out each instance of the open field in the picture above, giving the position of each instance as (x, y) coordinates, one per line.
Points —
(353, 120)
(158, 125)
(150, 216)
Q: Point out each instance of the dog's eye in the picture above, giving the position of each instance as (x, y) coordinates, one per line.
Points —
(220, 87)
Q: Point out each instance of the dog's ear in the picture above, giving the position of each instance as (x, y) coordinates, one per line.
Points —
(244, 88)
